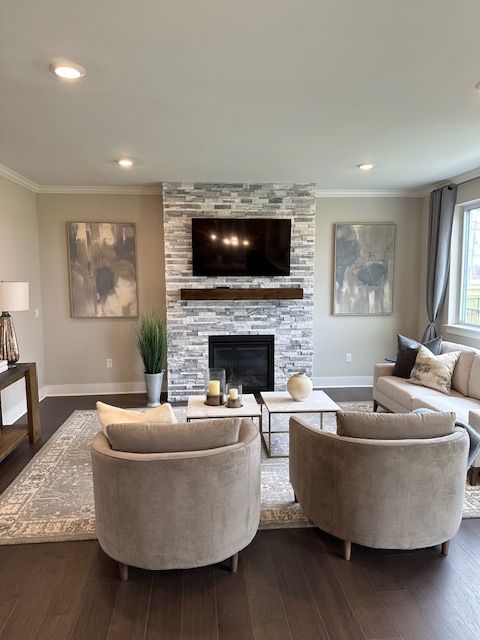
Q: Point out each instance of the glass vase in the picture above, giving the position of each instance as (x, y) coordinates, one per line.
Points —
(234, 395)
(215, 387)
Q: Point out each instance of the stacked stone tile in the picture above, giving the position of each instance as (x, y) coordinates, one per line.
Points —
(190, 323)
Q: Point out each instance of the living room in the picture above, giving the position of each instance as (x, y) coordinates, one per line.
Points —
(238, 114)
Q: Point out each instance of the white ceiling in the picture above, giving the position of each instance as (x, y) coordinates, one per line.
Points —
(252, 90)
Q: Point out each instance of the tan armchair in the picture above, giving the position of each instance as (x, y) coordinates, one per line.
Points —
(386, 494)
(177, 510)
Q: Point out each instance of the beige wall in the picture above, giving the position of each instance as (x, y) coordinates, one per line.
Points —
(368, 339)
(19, 261)
(76, 350)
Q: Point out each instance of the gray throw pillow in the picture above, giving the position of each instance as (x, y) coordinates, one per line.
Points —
(395, 426)
(168, 438)
(407, 354)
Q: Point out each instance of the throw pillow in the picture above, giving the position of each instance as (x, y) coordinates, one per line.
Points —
(165, 438)
(407, 353)
(432, 371)
(107, 414)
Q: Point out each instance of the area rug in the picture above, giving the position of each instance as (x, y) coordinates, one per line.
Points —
(51, 500)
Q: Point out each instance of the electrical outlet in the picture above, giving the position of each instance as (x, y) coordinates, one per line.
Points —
(37, 313)
(109, 363)
(348, 357)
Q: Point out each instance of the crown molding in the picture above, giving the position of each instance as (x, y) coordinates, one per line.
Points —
(99, 190)
(17, 178)
(22, 181)
(379, 193)
(467, 176)
(155, 190)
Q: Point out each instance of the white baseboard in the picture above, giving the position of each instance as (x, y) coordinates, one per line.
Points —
(16, 410)
(94, 389)
(342, 381)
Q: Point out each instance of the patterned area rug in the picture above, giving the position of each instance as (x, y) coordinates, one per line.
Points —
(52, 498)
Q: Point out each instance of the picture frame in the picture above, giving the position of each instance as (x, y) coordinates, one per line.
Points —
(102, 265)
(363, 273)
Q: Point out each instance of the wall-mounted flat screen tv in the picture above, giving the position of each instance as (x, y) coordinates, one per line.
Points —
(241, 246)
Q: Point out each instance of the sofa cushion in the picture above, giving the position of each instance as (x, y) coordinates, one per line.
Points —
(461, 373)
(407, 353)
(455, 402)
(474, 381)
(432, 371)
(108, 414)
(167, 438)
(395, 426)
(400, 390)
(455, 346)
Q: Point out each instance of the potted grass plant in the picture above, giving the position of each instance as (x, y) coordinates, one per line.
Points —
(152, 346)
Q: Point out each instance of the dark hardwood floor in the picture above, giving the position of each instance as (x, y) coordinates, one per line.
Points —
(292, 584)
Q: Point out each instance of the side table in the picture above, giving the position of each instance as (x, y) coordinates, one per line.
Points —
(12, 436)
(282, 402)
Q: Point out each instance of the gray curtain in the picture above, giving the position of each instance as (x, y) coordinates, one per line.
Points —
(442, 207)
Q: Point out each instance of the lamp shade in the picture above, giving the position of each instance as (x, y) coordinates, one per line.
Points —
(14, 296)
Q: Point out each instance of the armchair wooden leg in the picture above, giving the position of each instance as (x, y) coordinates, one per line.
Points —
(295, 499)
(445, 547)
(123, 568)
(375, 406)
(473, 476)
(347, 549)
(234, 563)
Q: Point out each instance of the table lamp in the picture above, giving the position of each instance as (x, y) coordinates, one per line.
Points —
(14, 297)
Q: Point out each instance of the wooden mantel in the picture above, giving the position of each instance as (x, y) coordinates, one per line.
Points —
(252, 293)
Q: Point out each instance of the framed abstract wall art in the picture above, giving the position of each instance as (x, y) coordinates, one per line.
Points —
(363, 266)
(102, 268)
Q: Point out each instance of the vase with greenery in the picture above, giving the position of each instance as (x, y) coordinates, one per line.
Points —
(152, 346)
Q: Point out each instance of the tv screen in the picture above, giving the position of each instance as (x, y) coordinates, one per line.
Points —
(241, 246)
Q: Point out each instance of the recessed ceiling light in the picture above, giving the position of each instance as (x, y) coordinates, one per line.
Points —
(67, 70)
(365, 166)
(126, 163)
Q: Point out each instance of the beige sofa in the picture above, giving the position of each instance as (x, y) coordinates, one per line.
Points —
(398, 395)
(180, 509)
(388, 494)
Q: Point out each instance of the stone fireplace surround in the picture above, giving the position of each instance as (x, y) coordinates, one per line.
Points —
(190, 323)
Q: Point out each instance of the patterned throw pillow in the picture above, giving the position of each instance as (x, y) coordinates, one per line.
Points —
(432, 371)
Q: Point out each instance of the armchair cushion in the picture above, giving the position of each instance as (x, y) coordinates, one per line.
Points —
(167, 438)
(395, 426)
(108, 414)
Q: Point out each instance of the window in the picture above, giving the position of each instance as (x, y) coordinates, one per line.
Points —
(470, 274)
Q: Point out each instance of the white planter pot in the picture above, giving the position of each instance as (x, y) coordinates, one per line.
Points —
(299, 386)
(154, 382)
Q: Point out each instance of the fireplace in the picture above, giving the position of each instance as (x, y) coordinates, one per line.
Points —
(248, 360)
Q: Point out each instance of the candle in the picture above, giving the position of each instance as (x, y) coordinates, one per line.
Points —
(214, 388)
(233, 394)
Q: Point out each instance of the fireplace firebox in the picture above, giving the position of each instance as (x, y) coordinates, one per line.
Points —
(248, 360)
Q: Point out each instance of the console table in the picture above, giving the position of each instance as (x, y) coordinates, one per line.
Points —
(12, 436)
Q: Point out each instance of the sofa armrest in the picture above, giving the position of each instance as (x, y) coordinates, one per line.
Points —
(382, 369)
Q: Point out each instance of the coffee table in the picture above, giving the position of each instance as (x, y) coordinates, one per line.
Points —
(198, 410)
(282, 402)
